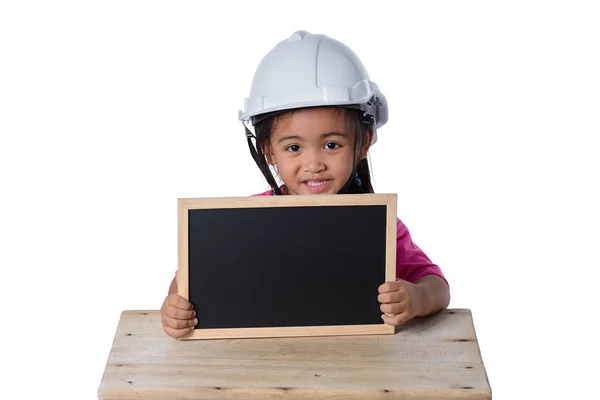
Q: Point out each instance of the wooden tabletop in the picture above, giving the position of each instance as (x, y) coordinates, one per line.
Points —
(435, 357)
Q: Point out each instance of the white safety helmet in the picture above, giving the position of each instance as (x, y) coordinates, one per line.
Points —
(309, 70)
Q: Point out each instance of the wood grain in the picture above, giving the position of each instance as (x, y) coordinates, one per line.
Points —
(293, 331)
(435, 357)
(366, 199)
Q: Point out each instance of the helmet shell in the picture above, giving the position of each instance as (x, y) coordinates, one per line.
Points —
(309, 70)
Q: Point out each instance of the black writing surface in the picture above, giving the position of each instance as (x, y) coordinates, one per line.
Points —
(286, 266)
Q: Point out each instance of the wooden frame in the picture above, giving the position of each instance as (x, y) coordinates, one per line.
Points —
(184, 205)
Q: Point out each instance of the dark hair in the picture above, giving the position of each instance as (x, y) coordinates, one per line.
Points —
(357, 123)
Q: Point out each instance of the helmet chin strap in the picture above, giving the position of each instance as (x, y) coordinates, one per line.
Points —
(256, 154)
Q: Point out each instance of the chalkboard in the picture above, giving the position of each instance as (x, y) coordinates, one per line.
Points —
(286, 265)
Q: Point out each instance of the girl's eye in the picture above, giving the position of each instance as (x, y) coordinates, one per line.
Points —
(332, 145)
(293, 148)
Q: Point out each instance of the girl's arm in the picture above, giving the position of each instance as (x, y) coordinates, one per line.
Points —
(433, 293)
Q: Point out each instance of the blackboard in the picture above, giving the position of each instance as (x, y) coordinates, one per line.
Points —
(286, 265)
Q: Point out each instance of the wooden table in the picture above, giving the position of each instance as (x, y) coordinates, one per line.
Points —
(435, 357)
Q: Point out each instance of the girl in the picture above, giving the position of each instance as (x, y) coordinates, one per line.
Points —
(315, 115)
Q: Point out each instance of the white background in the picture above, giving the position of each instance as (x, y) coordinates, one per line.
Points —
(111, 110)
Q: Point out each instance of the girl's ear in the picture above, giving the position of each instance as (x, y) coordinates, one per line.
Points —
(268, 151)
(365, 150)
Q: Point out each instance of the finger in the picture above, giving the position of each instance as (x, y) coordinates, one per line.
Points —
(179, 323)
(393, 297)
(393, 309)
(387, 287)
(177, 301)
(177, 313)
(177, 333)
(396, 320)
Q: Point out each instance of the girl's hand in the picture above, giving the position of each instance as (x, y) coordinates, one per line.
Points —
(178, 316)
(400, 301)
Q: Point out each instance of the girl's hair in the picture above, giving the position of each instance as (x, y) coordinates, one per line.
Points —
(359, 126)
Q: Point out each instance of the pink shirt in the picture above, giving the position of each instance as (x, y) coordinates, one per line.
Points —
(411, 262)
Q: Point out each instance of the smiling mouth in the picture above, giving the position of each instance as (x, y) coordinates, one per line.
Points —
(317, 185)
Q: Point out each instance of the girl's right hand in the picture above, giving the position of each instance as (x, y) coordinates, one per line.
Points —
(178, 316)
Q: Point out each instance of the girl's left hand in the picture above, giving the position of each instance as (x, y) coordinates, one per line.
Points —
(400, 301)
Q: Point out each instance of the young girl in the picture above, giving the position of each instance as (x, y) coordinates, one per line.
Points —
(315, 115)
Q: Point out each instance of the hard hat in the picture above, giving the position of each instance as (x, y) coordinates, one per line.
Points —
(309, 70)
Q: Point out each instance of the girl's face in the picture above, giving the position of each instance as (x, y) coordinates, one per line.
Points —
(313, 151)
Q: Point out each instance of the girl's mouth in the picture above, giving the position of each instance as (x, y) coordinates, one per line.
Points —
(317, 186)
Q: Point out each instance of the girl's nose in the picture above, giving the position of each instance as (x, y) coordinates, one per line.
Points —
(313, 164)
